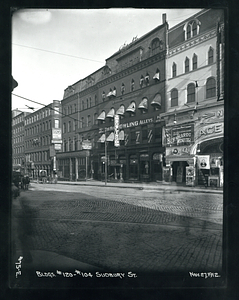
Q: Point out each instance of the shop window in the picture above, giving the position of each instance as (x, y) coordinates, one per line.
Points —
(191, 93)
(174, 97)
(210, 56)
(210, 88)
(174, 70)
(195, 61)
(186, 63)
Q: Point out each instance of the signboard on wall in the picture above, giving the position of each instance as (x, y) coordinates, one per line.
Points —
(116, 130)
(204, 161)
(86, 145)
(179, 135)
(56, 134)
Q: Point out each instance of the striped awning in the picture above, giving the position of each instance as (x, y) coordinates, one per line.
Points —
(101, 116)
(157, 76)
(121, 135)
(131, 107)
(109, 94)
(143, 104)
(111, 137)
(111, 113)
(102, 139)
(157, 100)
(120, 111)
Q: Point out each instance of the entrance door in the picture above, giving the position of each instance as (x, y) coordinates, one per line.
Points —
(179, 171)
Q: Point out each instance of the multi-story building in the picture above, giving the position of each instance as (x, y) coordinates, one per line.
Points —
(193, 134)
(111, 119)
(43, 139)
(18, 150)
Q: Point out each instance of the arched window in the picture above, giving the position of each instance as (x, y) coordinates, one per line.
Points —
(75, 143)
(88, 120)
(69, 126)
(174, 97)
(87, 103)
(211, 87)
(103, 96)
(210, 56)
(64, 146)
(194, 28)
(46, 125)
(132, 85)
(156, 46)
(95, 118)
(188, 31)
(195, 61)
(64, 128)
(174, 70)
(96, 102)
(83, 105)
(43, 126)
(191, 93)
(122, 88)
(90, 102)
(186, 65)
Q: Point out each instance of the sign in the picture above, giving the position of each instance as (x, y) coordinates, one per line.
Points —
(56, 134)
(56, 141)
(179, 136)
(57, 146)
(86, 145)
(116, 131)
(203, 161)
(216, 128)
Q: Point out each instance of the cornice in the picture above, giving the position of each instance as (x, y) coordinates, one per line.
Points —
(192, 42)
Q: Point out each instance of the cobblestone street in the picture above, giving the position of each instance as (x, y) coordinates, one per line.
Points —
(137, 231)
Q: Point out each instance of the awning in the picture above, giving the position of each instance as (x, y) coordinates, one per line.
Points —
(157, 100)
(120, 111)
(102, 139)
(157, 76)
(143, 104)
(109, 94)
(131, 107)
(101, 116)
(111, 137)
(111, 113)
(121, 135)
(113, 93)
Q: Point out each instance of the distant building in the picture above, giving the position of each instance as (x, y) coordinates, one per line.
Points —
(18, 147)
(43, 139)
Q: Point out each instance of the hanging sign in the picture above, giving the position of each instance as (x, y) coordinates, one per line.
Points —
(116, 130)
(204, 161)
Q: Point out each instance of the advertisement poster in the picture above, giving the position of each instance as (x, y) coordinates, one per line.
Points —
(190, 175)
(204, 161)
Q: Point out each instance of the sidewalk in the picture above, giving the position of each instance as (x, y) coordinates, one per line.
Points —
(166, 186)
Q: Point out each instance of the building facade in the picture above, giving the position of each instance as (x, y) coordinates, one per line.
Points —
(18, 132)
(111, 119)
(43, 139)
(194, 117)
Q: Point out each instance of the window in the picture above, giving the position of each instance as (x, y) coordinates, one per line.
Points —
(49, 124)
(191, 93)
(90, 102)
(144, 133)
(75, 107)
(46, 125)
(194, 29)
(82, 122)
(69, 126)
(133, 136)
(83, 105)
(211, 87)
(64, 146)
(122, 89)
(74, 125)
(96, 102)
(103, 96)
(70, 110)
(56, 123)
(195, 61)
(95, 118)
(156, 46)
(87, 103)
(147, 78)
(188, 31)
(70, 145)
(132, 85)
(186, 65)
(43, 126)
(88, 120)
(174, 70)
(141, 82)
(64, 128)
(210, 56)
(174, 97)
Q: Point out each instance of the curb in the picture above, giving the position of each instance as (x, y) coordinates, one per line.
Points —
(163, 187)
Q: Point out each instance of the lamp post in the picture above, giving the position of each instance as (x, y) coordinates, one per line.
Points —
(106, 160)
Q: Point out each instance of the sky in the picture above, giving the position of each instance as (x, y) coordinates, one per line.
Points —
(54, 48)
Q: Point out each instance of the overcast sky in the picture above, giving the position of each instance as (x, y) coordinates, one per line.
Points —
(54, 48)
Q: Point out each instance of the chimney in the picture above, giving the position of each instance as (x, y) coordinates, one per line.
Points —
(164, 18)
